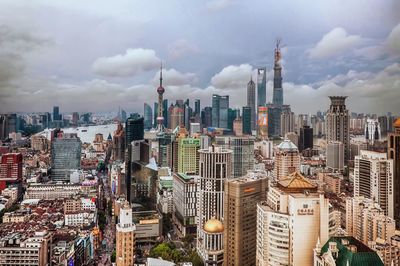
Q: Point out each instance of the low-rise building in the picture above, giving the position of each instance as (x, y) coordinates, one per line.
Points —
(51, 191)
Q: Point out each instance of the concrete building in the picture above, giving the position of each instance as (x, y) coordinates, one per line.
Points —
(195, 128)
(185, 199)
(389, 253)
(337, 123)
(215, 169)
(293, 137)
(220, 106)
(65, 156)
(306, 140)
(373, 179)
(40, 143)
(175, 116)
(287, 159)
(243, 153)
(125, 237)
(188, 156)
(266, 147)
(294, 217)
(394, 154)
(345, 251)
(335, 156)
(372, 131)
(118, 146)
(10, 169)
(51, 191)
(238, 127)
(331, 182)
(251, 101)
(287, 122)
(240, 218)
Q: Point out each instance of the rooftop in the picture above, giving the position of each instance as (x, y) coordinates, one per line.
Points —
(287, 145)
(295, 182)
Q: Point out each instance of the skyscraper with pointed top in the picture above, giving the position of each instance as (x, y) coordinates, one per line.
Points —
(277, 97)
(160, 117)
(251, 101)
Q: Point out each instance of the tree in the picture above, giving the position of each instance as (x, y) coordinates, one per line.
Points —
(113, 256)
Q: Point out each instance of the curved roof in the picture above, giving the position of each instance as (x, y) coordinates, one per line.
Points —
(287, 145)
(397, 123)
(214, 226)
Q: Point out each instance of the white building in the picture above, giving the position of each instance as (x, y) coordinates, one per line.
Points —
(287, 159)
(125, 237)
(373, 179)
(80, 218)
(335, 156)
(215, 168)
(51, 191)
(372, 130)
(290, 222)
(266, 148)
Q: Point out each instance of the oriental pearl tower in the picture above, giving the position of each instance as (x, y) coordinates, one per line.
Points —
(160, 117)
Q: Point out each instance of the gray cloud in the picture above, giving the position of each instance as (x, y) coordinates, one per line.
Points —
(172, 77)
(180, 48)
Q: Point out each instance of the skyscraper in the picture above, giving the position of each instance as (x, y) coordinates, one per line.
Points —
(160, 113)
(188, 156)
(56, 113)
(337, 123)
(118, 139)
(176, 116)
(125, 237)
(261, 86)
(215, 169)
(335, 156)
(10, 169)
(373, 179)
(306, 140)
(220, 106)
(287, 122)
(240, 217)
(277, 97)
(287, 159)
(251, 101)
(65, 156)
(165, 112)
(246, 120)
(134, 128)
(148, 116)
(232, 114)
(262, 123)
(206, 117)
(394, 154)
(197, 107)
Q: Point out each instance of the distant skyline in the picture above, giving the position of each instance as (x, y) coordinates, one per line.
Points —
(94, 56)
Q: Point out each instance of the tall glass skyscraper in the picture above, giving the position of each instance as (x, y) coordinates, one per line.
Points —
(251, 101)
(220, 106)
(134, 128)
(65, 156)
(261, 86)
(148, 116)
(246, 119)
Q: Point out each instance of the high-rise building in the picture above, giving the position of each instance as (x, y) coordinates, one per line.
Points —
(165, 112)
(372, 130)
(287, 159)
(8, 124)
(291, 221)
(215, 169)
(65, 156)
(10, 169)
(188, 155)
(394, 154)
(287, 122)
(148, 116)
(246, 120)
(242, 152)
(232, 114)
(125, 237)
(195, 128)
(238, 127)
(160, 112)
(75, 118)
(277, 97)
(123, 115)
(366, 221)
(187, 114)
(118, 139)
(373, 179)
(176, 116)
(335, 156)
(220, 106)
(134, 128)
(155, 114)
(185, 189)
(262, 123)
(240, 218)
(261, 86)
(251, 101)
(206, 117)
(56, 114)
(306, 138)
(197, 107)
(337, 123)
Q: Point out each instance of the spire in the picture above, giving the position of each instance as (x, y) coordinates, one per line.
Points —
(161, 74)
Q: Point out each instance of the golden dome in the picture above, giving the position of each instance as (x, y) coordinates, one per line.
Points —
(397, 123)
(213, 226)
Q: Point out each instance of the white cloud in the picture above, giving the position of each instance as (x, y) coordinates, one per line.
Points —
(133, 62)
(233, 77)
(172, 77)
(180, 48)
(216, 5)
(393, 40)
(335, 42)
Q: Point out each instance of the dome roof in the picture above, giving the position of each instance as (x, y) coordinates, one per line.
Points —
(160, 90)
(397, 123)
(214, 226)
(287, 145)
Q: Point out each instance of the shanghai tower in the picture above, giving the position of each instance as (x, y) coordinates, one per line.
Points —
(277, 97)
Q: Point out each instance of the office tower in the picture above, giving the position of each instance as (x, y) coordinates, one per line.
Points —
(187, 114)
(372, 131)
(306, 138)
(197, 107)
(75, 118)
(118, 139)
(215, 169)
(337, 123)
(373, 179)
(188, 156)
(345, 250)
(185, 188)
(134, 128)
(383, 121)
(148, 116)
(293, 137)
(232, 114)
(242, 152)
(8, 124)
(301, 121)
(287, 159)
(123, 115)
(10, 169)
(266, 147)
(86, 118)
(277, 97)
(366, 221)
(125, 237)
(261, 86)
(220, 106)
(195, 128)
(56, 113)
(335, 156)
(262, 123)
(290, 222)
(165, 147)
(287, 122)
(251, 101)
(206, 117)
(155, 114)
(394, 154)
(65, 156)
(165, 112)
(240, 217)
(176, 116)
(246, 120)
(238, 127)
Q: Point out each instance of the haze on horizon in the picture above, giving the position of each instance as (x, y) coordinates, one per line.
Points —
(98, 55)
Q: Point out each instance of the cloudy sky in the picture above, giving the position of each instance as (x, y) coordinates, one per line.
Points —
(97, 55)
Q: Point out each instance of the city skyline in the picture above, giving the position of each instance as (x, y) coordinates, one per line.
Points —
(81, 69)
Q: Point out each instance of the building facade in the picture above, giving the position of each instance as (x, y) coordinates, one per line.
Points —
(125, 237)
(287, 159)
(394, 154)
(65, 156)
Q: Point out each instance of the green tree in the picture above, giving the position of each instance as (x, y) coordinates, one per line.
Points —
(113, 256)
